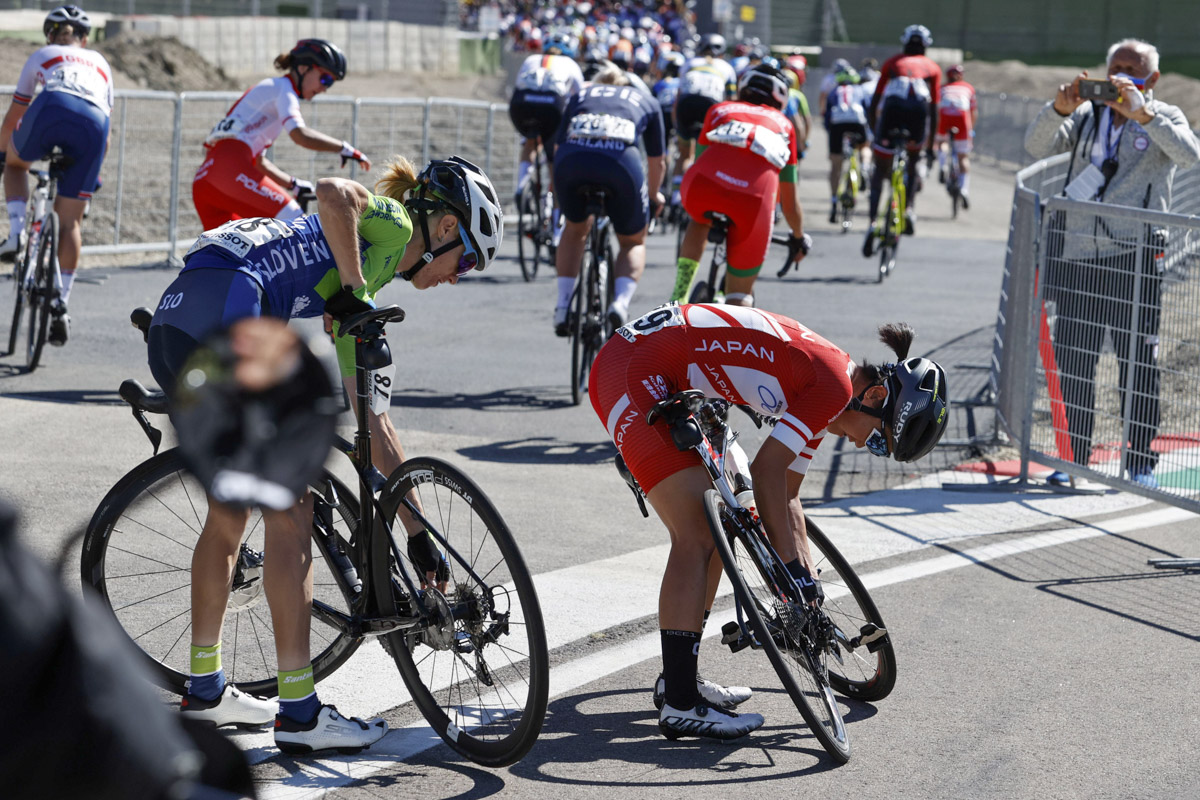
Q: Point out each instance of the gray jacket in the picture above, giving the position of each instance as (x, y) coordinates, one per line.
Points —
(1148, 157)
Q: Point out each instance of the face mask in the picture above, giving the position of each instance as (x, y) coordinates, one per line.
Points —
(1140, 83)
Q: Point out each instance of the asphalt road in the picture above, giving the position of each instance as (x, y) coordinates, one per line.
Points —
(1048, 661)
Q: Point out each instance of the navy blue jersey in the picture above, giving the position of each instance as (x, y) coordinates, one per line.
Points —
(612, 118)
(666, 90)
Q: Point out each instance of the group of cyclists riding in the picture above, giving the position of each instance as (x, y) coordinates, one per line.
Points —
(261, 257)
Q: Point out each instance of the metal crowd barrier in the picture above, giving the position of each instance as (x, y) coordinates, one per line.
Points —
(1096, 363)
(145, 203)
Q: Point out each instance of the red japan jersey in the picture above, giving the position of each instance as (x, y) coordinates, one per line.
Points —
(761, 130)
(750, 357)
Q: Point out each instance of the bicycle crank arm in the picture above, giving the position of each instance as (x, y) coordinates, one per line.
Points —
(382, 626)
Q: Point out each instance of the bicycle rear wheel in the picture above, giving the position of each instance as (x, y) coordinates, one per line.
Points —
(866, 672)
(529, 230)
(41, 292)
(20, 270)
(576, 314)
(481, 676)
(137, 554)
(779, 623)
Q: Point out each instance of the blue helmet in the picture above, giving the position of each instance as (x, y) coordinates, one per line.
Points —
(562, 41)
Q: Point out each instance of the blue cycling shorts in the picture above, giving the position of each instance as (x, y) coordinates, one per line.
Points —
(621, 172)
(197, 304)
(78, 128)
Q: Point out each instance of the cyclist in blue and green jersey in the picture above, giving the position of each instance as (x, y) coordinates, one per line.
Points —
(331, 263)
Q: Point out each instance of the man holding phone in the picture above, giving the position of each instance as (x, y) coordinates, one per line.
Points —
(1126, 147)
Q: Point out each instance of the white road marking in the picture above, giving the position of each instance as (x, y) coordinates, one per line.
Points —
(638, 575)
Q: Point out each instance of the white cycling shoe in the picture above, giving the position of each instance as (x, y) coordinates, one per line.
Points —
(328, 730)
(706, 721)
(233, 707)
(714, 694)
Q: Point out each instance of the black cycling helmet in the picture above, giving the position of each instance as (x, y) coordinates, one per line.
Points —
(322, 53)
(765, 85)
(918, 406)
(74, 16)
(711, 44)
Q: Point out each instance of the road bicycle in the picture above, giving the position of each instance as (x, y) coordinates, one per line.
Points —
(473, 659)
(851, 181)
(895, 210)
(37, 279)
(588, 310)
(535, 219)
(839, 644)
(712, 289)
(954, 177)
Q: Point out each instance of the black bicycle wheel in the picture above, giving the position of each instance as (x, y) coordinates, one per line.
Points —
(576, 313)
(529, 230)
(481, 675)
(137, 554)
(778, 624)
(45, 264)
(866, 672)
(19, 295)
(701, 293)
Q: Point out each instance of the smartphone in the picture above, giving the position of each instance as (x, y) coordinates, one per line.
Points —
(1098, 91)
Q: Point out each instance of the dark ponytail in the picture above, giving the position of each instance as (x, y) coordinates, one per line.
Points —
(898, 336)
(283, 62)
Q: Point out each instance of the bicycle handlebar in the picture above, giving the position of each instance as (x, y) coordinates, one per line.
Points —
(796, 246)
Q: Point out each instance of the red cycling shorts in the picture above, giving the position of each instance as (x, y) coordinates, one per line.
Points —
(742, 186)
(625, 383)
(229, 186)
(960, 121)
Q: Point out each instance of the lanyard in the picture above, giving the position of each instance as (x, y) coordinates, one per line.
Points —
(1111, 147)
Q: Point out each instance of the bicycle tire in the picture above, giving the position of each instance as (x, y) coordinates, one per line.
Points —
(45, 266)
(528, 232)
(812, 694)
(474, 719)
(18, 279)
(867, 676)
(701, 293)
(155, 512)
(575, 319)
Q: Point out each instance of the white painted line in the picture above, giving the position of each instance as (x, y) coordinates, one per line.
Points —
(315, 777)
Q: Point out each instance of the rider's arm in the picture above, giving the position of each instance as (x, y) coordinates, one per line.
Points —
(273, 172)
(770, 474)
(340, 203)
(789, 200)
(11, 118)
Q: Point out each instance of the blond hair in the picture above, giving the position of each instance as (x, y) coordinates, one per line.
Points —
(399, 178)
(611, 74)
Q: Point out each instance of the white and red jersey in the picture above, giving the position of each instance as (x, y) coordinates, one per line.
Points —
(553, 74)
(909, 78)
(761, 130)
(67, 68)
(267, 109)
(957, 100)
(746, 356)
(707, 77)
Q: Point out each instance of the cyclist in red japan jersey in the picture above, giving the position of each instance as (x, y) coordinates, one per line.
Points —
(779, 368)
(905, 96)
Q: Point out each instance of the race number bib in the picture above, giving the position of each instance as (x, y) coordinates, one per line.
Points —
(705, 83)
(667, 316)
(601, 126)
(381, 382)
(228, 128)
(240, 236)
(734, 133)
(765, 142)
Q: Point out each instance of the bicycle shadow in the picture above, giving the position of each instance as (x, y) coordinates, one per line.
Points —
(542, 450)
(94, 397)
(517, 398)
(575, 735)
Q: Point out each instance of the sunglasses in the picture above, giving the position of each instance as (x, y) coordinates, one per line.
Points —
(877, 444)
(468, 260)
(327, 79)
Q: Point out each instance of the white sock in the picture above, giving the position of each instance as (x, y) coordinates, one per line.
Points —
(68, 278)
(523, 172)
(16, 215)
(966, 177)
(941, 159)
(625, 289)
(566, 288)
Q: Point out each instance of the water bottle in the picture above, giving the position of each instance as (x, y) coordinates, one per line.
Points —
(745, 498)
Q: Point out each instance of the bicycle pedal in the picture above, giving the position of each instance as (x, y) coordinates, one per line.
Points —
(731, 635)
(870, 635)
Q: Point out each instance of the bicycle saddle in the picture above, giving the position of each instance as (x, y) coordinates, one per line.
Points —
(720, 226)
(356, 324)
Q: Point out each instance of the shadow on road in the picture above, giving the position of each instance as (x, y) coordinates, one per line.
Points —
(545, 450)
(69, 397)
(517, 398)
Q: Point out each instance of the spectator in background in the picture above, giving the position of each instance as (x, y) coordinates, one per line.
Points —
(1123, 153)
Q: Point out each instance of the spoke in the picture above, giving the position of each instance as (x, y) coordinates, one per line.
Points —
(151, 597)
(173, 567)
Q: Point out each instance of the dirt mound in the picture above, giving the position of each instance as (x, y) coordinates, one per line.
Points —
(1022, 80)
(162, 63)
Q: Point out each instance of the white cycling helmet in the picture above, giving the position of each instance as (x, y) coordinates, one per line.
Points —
(917, 32)
(764, 84)
(461, 187)
(74, 16)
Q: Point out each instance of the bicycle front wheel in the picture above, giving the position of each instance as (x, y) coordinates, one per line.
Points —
(778, 624)
(866, 672)
(576, 321)
(41, 292)
(137, 554)
(18, 278)
(480, 674)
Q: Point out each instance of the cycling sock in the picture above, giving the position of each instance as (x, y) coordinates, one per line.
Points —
(941, 159)
(523, 172)
(208, 679)
(809, 588)
(624, 294)
(16, 215)
(68, 279)
(681, 650)
(685, 270)
(962, 183)
(566, 288)
(298, 694)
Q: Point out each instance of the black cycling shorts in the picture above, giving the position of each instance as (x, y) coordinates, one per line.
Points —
(689, 114)
(840, 130)
(900, 113)
(620, 172)
(537, 115)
